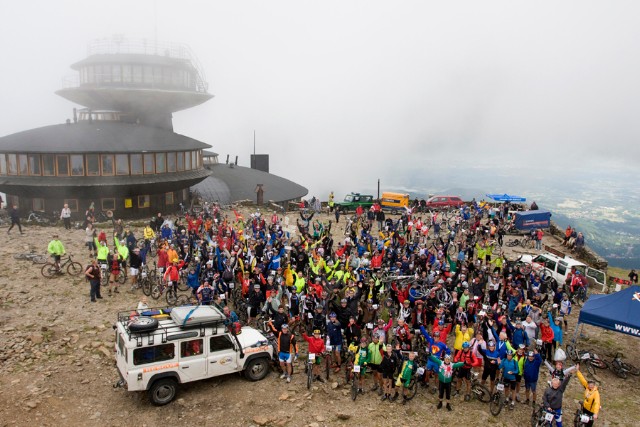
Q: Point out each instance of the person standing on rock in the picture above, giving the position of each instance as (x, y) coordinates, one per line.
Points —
(65, 216)
(14, 214)
(92, 273)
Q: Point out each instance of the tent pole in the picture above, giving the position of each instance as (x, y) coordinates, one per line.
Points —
(575, 333)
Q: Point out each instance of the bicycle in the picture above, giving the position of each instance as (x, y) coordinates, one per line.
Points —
(587, 357)
(497, 398)
(541, 417)
(50, 269)
(581, 418)
(622, 369)
(31, 256)
(478, 390)
(579, 297)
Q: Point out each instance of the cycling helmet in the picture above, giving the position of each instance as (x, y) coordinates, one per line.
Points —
(509, 352)
(441, 322)
(465, 345)
(343, 300)
(577, 273)
(436, 334)
(285, 326)
(316, 332)
(447, 356)
(531, 354)
(332, 314)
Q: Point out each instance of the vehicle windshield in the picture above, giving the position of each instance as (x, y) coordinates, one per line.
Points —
(348, 198)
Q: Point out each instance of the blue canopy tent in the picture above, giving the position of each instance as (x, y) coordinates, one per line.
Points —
(506, 198)
(618, 312)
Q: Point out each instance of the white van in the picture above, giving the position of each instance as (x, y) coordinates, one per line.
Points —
(160, 348)
(559, 267)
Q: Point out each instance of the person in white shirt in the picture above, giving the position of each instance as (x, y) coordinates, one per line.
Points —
(65, 215)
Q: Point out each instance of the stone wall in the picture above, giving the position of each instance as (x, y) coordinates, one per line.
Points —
(587, 255)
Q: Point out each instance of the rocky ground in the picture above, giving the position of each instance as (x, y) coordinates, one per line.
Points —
(57, 368)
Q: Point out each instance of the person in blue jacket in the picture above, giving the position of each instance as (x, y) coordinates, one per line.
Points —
(510, 369)
(435, 348)
(557, 330)
(519, 336)
(530, 374)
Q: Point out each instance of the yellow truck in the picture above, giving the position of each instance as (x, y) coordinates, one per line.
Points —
(394, 201)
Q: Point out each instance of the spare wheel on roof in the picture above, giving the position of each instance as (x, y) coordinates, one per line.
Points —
(143, 324)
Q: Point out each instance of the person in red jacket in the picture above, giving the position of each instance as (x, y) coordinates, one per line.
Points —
(546, 335)
(439, 326)
(172, 275)
(163, 260)
(316, 347)
(376, 260)
(464, 374)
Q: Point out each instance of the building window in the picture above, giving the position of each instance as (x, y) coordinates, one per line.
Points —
(148, 163)
(73, 204)
(3, 164)
(187, 161)
(137, 73)
(136, 164)
(122, 164)
(23, 164)
(62, 162)
(77, 165)
(148, 74)
(12, 164)
(144, 201)
(115, 73)
(93, 164)
(171, 162)
(194, 161)
(180, 161)
(107, 164)
(13, 201)
(108, 204)
(38, 205)
(126, 73)
(161, 163)
(48, 165)
(168, 199)
(34, 164)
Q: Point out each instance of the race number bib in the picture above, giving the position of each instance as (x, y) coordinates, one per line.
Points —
(312, 357)
(500, 387)
(548, 416)
(356, 369)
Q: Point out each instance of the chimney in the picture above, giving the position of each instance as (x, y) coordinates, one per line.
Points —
(236, 160)
(75, 115)
(227, 159)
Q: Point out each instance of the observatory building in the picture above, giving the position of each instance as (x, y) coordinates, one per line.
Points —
(120, 151)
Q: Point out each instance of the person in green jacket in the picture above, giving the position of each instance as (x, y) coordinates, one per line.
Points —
(376, 348)
(102, 251)
(445, 376)
(362, 358)
(406, 373)
(123, 252)
(56, 249)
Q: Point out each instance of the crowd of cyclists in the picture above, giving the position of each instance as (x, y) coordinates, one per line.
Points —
(424, 298)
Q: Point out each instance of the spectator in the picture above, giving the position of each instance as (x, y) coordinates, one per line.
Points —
(65, 216)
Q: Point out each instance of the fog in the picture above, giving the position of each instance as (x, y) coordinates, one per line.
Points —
(341, 94)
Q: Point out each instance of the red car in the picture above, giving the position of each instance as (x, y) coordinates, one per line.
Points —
(438, 202)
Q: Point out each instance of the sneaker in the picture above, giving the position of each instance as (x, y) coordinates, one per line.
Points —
(394, 397)
(361, 391)
(513, 404)
(116, 291)
(93, 300)
(526, 402)
(283, 376)
(448, 407)
(384, 397)
(319, 378)
(440, 405)
(99, 297)
(109, 292)
(288, 379)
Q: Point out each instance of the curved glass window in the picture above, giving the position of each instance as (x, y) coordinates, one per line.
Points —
(136, 164)
(48, 165)
(107, 164)
(93, 165)
(62, 164)
(161, 163)
(34, 164)
(148, 164)
(180, 161)
(77, 165)
(12, 164)
(122, 164)
(23, 164)
(171, 162)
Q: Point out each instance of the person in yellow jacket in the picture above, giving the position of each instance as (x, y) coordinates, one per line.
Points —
(591, 403)
(463, 334)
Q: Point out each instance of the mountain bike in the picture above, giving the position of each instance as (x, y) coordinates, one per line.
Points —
(478, 390)
(31, 256)
(73, 268)
(497, 398)
(541, 417)
(622, 369)
(581, 418)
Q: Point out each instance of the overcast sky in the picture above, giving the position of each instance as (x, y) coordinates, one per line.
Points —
(341, 93)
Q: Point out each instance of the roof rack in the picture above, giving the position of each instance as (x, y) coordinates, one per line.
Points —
(167, 328)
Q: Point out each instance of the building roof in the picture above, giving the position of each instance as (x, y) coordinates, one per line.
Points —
(97, 137)
(133, 58)
(228, 184)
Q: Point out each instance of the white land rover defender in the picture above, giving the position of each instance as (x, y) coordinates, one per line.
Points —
(157, 349)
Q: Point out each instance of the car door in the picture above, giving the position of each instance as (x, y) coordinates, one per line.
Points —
(192, 363)
(222, 358)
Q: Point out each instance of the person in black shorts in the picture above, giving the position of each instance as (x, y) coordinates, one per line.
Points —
(388, 367)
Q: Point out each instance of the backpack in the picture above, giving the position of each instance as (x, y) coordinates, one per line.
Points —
(227, 274)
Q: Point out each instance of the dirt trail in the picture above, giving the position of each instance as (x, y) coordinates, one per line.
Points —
(57, 368)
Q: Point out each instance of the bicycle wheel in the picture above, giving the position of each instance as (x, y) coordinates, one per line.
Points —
(171, 296)
(121, 277)
(309, 376)
(39, 259)
(327, 366)
(182, 284)
(618, 370)
(146, 286)
(630, 368)
(536, 416)
(412, 389)
(481, 393)
(153, 250)
(444, 296)
(156, 292)
(49, 270)
(452, 250)
(21, 256)
(354, 388)
(495, 405)
(572, 353)
(183, 300)
(599, 363)
(512, 243)
(74, 268)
